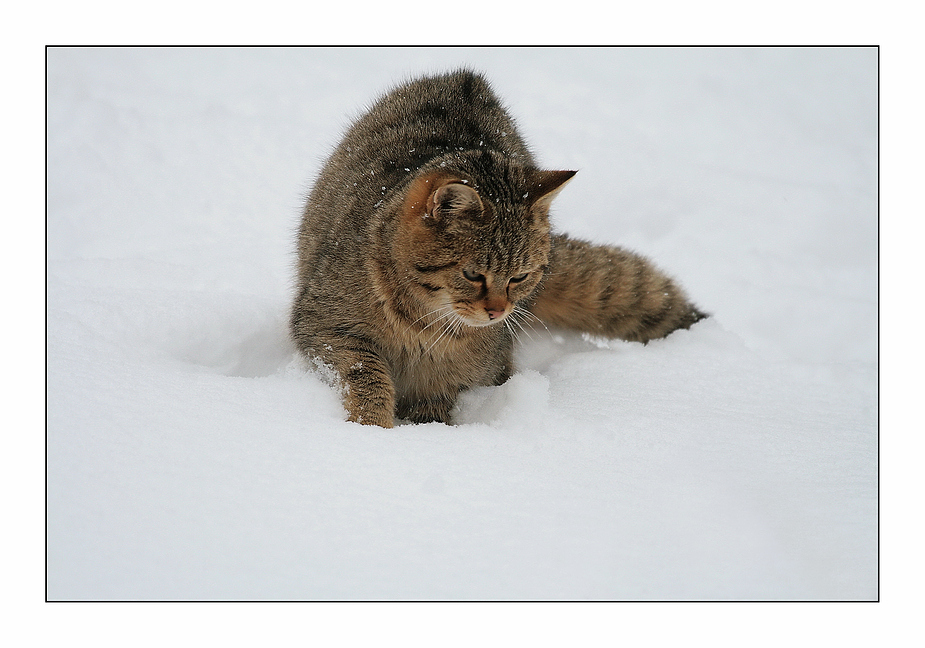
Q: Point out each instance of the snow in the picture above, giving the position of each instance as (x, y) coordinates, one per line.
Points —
(192, 455)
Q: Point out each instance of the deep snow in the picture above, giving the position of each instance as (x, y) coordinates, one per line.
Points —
(191, 455)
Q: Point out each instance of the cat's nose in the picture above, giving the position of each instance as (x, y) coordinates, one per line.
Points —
(494, 314)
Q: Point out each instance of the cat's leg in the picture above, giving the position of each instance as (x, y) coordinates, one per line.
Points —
(368, 391)
(608, 291)
(427, 410)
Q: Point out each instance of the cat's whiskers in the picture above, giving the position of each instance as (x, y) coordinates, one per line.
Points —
(447, 311)
(511, 321)
(443, 315)
(509, 325)
(524, 315)
(452, 326)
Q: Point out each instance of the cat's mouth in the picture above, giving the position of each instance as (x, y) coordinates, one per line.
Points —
(482, 317)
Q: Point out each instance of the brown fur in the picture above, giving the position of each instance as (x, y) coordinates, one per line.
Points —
(610, 292)
(426, 241)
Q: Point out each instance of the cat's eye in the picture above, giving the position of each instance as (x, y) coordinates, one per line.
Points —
(518, 278)
(473, 276)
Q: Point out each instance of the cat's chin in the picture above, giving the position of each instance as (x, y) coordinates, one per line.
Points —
(481, 324)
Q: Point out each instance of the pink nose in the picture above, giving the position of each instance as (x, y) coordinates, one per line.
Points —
(494, 314)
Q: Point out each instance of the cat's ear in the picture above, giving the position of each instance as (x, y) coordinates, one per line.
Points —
(455, 200)
(434, 198)
(543, 186)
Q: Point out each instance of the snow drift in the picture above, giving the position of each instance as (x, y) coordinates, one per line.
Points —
(192, 455)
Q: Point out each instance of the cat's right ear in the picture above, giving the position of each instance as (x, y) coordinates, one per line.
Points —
(455, 200)
(437, 198)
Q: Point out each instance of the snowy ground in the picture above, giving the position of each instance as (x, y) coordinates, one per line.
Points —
(191, 455)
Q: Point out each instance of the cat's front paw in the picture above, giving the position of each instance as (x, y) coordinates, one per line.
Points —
(370, 409)
(365, 416)
(435, 409)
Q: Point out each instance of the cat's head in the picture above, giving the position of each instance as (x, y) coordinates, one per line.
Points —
(473, 248)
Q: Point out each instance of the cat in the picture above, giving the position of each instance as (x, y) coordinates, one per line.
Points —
(425, 244)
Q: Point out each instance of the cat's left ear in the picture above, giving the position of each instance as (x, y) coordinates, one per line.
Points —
(543, 186)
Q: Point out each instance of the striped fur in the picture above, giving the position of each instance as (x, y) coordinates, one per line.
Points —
(425, 246)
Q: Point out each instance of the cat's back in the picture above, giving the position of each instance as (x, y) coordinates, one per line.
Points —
(415, 123)
(411, 126)
(437, 114)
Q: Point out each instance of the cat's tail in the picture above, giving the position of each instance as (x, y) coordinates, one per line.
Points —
(608, 291)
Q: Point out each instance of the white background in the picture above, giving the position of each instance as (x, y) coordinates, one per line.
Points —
(550, 135)
(192, 455)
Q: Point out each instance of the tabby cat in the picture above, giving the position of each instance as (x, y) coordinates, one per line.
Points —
(425, 244)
